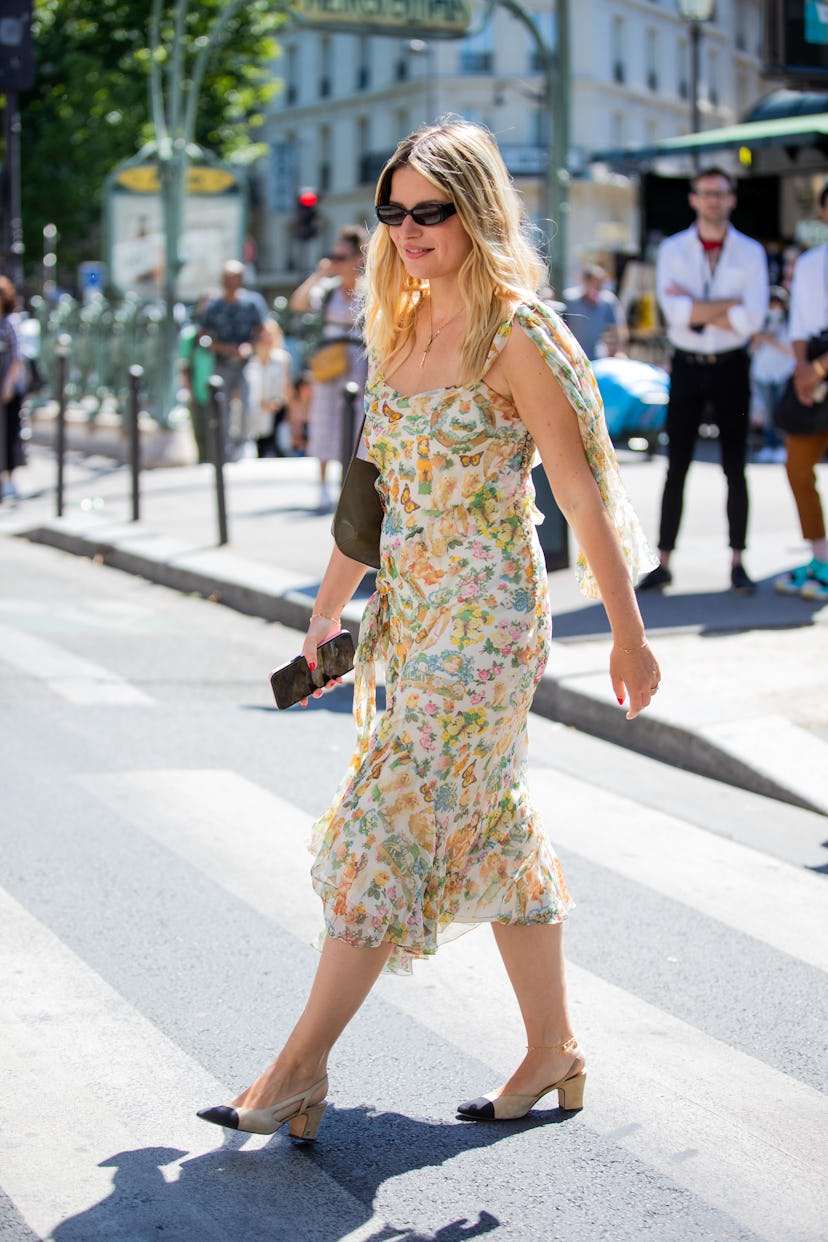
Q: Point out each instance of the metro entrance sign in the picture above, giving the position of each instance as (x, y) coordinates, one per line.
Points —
(436, 19)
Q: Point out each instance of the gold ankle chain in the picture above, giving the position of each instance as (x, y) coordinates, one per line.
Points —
(569, 1046)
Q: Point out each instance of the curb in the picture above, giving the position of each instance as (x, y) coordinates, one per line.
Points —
(658, 739)
(554, 699)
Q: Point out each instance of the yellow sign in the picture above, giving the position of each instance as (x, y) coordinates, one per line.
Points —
(434, 17)
(201, 179)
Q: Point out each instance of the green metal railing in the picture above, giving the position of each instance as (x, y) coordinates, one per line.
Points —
(105, 340)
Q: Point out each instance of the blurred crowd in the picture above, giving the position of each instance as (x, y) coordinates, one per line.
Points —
(280, 402)
(304, 395)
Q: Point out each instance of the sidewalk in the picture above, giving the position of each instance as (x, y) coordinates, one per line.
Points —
(744, 693)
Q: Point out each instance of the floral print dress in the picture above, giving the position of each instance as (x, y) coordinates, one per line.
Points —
(433, 829)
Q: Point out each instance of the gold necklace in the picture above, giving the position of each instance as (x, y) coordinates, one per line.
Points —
(433, 337)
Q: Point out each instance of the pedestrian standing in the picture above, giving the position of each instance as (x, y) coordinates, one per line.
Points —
(268, 378)
(594, 315)
(771, 364)
(334, 291)
(809, 319)
(232, 322)
(712, 284)
(433, 829)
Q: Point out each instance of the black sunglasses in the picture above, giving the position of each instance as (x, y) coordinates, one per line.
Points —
(424, 214)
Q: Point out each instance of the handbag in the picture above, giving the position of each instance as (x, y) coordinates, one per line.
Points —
(357, 519)
(790, 415)
(330, 362)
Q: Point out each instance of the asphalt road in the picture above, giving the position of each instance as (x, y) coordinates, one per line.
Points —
(156, 921)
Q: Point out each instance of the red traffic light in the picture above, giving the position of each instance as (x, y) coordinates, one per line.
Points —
(306, 218)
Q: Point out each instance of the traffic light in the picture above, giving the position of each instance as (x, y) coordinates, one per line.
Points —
(17, 71)
(306, 222)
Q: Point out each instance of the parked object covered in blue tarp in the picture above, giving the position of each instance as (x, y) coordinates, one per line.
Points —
(635, 396)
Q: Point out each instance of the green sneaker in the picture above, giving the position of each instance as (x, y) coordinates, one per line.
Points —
(796, 580)
(816, 586)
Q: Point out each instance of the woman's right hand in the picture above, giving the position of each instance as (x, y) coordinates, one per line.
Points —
(319, 629)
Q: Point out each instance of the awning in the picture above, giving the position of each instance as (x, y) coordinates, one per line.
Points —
(787, 132)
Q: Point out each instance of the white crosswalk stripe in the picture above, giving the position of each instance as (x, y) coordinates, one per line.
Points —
(706, 1116)
(72, 677)
(710, 1117)
(77, 1059)
(778, 904)
(698, 868)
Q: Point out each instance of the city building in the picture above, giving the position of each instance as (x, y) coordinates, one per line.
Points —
(348, 98)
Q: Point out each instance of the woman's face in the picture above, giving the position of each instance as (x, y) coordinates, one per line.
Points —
(428, 252)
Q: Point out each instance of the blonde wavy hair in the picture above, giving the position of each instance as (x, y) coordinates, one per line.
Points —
(503, 267)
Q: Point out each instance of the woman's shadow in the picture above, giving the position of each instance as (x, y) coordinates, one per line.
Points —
(317, 1192)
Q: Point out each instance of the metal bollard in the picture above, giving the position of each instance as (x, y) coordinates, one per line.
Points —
(217, 437)
(136, 374)
(350, 392)
(62, 348)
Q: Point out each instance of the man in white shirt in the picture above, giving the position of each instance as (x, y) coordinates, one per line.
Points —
(712, 285)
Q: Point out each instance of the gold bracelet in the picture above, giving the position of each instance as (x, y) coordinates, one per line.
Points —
(632, 650)
(819, 368)
(324, 616)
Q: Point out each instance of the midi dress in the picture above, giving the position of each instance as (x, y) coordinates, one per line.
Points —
(433, 830)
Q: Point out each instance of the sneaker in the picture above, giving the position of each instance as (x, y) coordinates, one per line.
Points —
(793, 582)
(740, 582)
(656, 579)
(9, 491)
(780, 455)
(816, 585)
(766, 454)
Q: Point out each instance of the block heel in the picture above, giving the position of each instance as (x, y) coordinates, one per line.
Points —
(571, 1092)
(306, 1125)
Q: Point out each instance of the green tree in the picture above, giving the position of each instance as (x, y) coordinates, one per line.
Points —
(90, 108)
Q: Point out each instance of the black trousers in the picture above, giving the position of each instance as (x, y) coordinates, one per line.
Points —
(725, 387)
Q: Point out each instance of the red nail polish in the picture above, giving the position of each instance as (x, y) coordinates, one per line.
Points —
(620, 702)
(311, 665)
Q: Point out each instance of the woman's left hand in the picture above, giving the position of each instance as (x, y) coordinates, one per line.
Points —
(635, 676)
